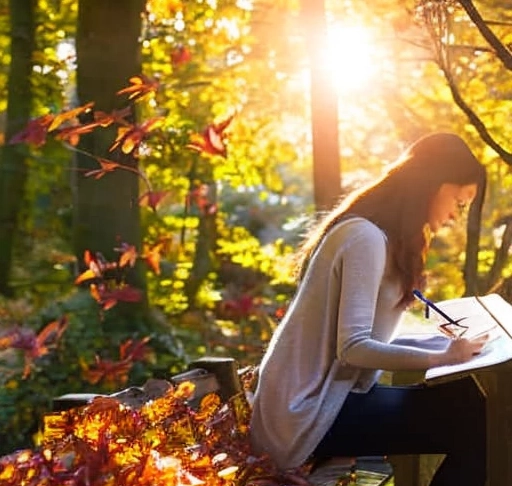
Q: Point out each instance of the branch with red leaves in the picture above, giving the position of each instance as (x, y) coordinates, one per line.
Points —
(103, 276)
(33, 345)
(67, 128)
(212, 140)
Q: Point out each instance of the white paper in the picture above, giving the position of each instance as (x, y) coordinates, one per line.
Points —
(491, 314)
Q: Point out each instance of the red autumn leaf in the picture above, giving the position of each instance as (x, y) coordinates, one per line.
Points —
(94, 270)
(152, 198)
(134, 350)
(129, 138)
(140, 86)
(106, 166)
(128, 255)
(112, 372)
(125, 293)
(221, 126)
(152, 257)
(72, 134)
(98, 294)
(201, 199)
(208, 142)
(67, 115)
(238, 308)
(34, 132)
(96, 266)
(180, 55)
(97, 262)
(33, 345)
(212, 140)
(26, 339)
(116, 116)
(108, 298)
(49, 336)
(280, 312)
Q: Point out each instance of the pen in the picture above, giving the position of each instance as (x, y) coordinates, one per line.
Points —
(429, 303)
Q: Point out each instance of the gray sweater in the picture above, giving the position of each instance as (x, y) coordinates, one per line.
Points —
(335, 338)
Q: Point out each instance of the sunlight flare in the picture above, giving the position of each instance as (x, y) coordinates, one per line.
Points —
(350, 57)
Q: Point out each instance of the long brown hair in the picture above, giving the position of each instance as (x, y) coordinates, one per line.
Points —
(399, 203)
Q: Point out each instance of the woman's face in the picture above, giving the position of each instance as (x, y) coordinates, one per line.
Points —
(448, 203)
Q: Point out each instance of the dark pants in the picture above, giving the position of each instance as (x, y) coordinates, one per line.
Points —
(448, 418)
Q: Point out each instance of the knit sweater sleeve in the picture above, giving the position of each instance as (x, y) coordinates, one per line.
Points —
(363, 270)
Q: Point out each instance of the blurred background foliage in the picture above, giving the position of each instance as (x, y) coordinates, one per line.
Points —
(225, 224)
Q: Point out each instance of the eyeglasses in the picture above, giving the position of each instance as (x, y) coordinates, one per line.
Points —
(451, 328)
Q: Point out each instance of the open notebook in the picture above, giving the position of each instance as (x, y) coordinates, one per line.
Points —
(490, 313)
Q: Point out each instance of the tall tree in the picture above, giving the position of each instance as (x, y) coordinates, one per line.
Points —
(106, 211)
(324, 109)
(13, 158)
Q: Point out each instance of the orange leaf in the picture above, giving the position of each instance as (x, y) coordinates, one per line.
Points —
(95, 293)
(121, 133)
(152, 257)
(72, 133)
(106, 166)
(152, 198)
(141, 85)
(128, 256)
(68, 115)
(88, 258)
(116, 116)
(108, 304)
(129, 139)
(87, 275)
(49, 336)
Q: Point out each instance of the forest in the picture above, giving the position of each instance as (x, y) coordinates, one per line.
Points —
(160, 161)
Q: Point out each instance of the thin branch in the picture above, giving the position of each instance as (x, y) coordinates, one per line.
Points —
(120, 166)
(434, 22)
(501, 51)
(475, 119)
(501, 23)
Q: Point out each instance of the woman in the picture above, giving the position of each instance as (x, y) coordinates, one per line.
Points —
(317, 395)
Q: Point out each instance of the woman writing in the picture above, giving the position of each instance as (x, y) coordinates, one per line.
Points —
(317, 395)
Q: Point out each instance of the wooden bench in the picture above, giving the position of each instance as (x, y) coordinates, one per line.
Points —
(209, 375)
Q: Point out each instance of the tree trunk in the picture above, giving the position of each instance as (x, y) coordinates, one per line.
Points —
(13, 161)
(324, 110)
(106, 211)
(206, 243)
(472, 245)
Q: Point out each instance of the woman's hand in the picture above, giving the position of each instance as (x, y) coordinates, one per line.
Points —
(462, 350)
